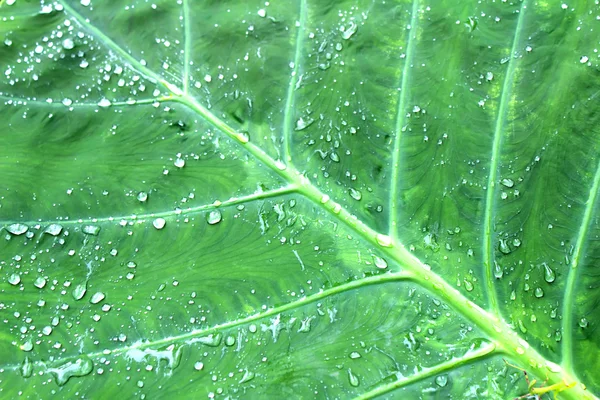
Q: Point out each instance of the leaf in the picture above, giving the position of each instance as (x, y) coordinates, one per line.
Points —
(305, 199)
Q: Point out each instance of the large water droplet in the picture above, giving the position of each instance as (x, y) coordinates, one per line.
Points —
(538, 292)
(17, 229)
(91, 230)
(507, 182)
(583, 323)
(39, 282)
(53, 229)
(354, 381)
(498, 270)
(503, 247)
(14, 279)
(97, 297)
(79, 291)
(468, 285)
(142, 197)
(549, 275)
(248, 376)
(355, 194)
(441, 380)
(380, 262)
(214, 217)
(384, 240)
(159, 223)
(351, 30)
(80, 367)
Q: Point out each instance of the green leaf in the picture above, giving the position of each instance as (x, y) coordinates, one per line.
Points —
(330, 199)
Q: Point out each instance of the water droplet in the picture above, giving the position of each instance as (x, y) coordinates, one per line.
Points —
(104, 103)
(214, 217)
(248, 376)
(522, 327)
(14, 279)
(79, 291)
(384, 240)
(243, 137)
(354, 355)
(498, 270)
(583, 59)
(516, 242)
(131, 264)
(17, 229)
(549, 275)
(229, 341)
(380, 262)
(583, 323)
(91, 230)
(355, 194)
(198, 366)
(302, 123)
(39, 282)
(27, 368)
(53, 229)
(67, 102)
(351, 30)
(97, 297)
(507, 182)
(489, 76)
(538, 292)
(179, 162)
(468, 285)
(503, 247)
(80, 367)
(27, 346)
(513, 295)
(159, 223)
(262, 13)
(354, 381)
(142, 197)
(441, 380)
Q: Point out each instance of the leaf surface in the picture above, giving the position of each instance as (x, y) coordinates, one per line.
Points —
(331, 199)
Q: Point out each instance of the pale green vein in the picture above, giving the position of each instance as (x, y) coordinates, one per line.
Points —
(469, 357)
(401, 120)
(139, 218)
(569, 297)
(108, 42)
(22, 101)
(488, 245)
(288, 122)
(199, 333)
(187, 35)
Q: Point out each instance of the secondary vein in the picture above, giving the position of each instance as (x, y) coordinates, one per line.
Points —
(401, 120)
(290, 101)
(488, 248)
(569, 296)
(187, 46)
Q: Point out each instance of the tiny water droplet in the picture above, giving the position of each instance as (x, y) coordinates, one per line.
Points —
(159, 223)
(354, 381)
(214, 217)
(583, 323)
(441, 380)
(17, 229)
(549, 275)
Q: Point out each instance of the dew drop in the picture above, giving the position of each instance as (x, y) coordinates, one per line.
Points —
(468, 286)
(79, 291)
(91, 230)
(538, 292)
(142, 197)
(507, 182)
(80, 367)
(14, 279)
(354, 381)
(351, 30)
(549, 275)
(379, 262)
(248, 376)
(214, 217)
(354, 355)
(503, 247)
(97, 297)
(68, 44)
(384, 240)
(355, 194)
(229, 341)
(179, 162)
(39, 282)
(583, 323)
(27, 368)
(159, 223)
(27, 346)
(131, 264)
(67, 102)
(104, 103)
(498, 270)
(198, 366)
(441, 380)
(17, 229)
(53, 229)
(243, 137)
